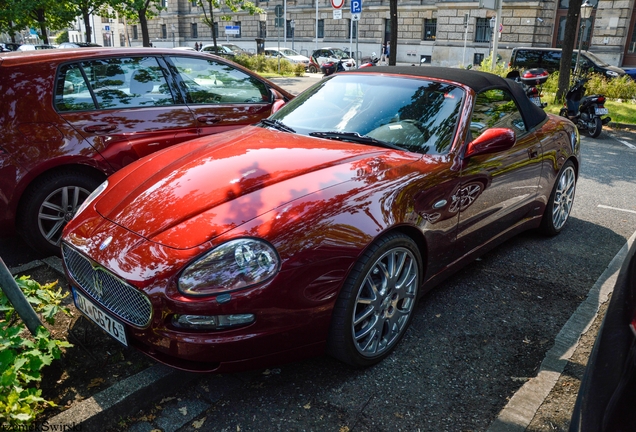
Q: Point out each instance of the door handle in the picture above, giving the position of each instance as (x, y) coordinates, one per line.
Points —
(100, 128)
(208, 119)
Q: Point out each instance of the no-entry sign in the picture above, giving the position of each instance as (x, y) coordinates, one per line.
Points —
(337, 4)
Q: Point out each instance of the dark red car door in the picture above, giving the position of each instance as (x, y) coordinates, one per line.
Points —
(125, 107)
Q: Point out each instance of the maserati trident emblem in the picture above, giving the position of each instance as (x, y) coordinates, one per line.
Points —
(105, 243)
(98, 285)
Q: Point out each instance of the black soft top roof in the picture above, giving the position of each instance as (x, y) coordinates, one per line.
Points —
(476, 80)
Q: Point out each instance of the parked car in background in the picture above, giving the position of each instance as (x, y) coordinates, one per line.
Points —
(78, 45)
(69, 118)
(237, 50)
(9, 46)
(330, 54)
(288, 54)
(605, 401)
(219, 50)
(307, 233)
(550, 60)
(31, 47)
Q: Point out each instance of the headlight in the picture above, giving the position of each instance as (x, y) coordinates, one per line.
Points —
(611, 73)
(233, 265)
(91, 197)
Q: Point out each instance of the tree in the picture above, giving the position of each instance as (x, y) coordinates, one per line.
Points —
(232, 5)
(45, 15)
(394, 36)
(569, 38)
(12, 17)
(140, 11)
(86, 8)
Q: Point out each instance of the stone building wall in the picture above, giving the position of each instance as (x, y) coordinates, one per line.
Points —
(525, 23)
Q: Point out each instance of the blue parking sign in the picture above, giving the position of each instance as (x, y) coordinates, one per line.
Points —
(356, 6)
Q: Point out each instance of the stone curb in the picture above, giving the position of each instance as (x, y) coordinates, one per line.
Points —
(123, 399)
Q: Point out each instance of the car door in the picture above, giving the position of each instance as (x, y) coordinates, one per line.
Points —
(221, 96)
(125, 107)
(497, 190)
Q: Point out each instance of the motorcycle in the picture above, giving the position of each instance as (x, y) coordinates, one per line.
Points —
(369, 61)
(532, 81)
(585, 111)
(331, 67)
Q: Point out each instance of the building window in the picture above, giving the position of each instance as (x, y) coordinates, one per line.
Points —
(238, 24)
(387, 30)
(164, 3)
(164, 31)
(478, 58)
(194, 3)
(216, 30)
(135, 32)
(289, 31)
(483, 32)
(262, 29)
(321, 28)
(353, 29)
(194, 30)
(430, 29)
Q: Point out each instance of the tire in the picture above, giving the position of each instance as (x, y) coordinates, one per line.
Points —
(376, 303)
(561, 200)
(596, 130)
(312, 69)
(49, 204)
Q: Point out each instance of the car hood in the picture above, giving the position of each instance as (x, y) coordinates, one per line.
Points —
(193, 192)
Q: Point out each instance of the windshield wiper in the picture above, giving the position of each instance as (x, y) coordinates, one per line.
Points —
(277, 124)
(354, 137)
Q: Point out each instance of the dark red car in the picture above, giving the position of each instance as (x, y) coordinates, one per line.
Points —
(318, 229)
(69, 118)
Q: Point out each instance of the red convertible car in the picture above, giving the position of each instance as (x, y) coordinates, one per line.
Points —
(317, 229)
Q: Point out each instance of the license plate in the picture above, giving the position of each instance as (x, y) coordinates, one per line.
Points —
(601, 111)
(536, 101)
(99, 317)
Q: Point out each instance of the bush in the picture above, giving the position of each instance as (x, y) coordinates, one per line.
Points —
(22, 356)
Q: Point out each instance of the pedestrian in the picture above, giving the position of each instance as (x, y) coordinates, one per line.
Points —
(383, 58)
(388, 51)
(196, 46)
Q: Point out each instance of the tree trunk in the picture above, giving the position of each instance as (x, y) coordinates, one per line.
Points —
(42, 24)
(569, 39)
(394, 32)
(143, 22)
(87, 24)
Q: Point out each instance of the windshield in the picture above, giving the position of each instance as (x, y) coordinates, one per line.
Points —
(595, 59)
(288, 52)
(340, 53)
(414, 114)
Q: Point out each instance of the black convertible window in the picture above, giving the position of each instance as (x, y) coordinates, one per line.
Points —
(496, 108)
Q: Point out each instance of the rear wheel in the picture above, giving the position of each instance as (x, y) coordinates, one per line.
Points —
(313, 69)
(376, 304)
(561, 200)
(597, 127)
(49, 204)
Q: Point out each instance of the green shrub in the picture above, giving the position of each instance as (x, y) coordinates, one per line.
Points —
(299, 70)
(22, 356)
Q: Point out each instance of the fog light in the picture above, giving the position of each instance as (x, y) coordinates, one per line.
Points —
(212, 322)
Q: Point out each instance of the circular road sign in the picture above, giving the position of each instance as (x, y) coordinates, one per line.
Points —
(337, 4)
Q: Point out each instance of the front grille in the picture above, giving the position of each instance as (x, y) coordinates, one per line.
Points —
(108, 290)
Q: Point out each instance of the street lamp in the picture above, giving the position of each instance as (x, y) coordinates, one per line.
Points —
(586, 13)
(492, 23)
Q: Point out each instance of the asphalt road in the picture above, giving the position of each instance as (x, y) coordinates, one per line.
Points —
(474, 341)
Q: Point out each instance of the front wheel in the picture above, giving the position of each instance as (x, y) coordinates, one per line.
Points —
(597, 126)
(49, 204)
(561, 200)
(376, 303)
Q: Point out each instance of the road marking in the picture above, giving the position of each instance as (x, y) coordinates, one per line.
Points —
(631, 146)
(524, 404)
(615, 208)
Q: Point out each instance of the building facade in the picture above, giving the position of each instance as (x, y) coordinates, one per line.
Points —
(442, 33)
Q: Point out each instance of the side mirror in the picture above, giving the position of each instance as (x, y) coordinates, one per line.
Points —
(277, 99)
(491, 141)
